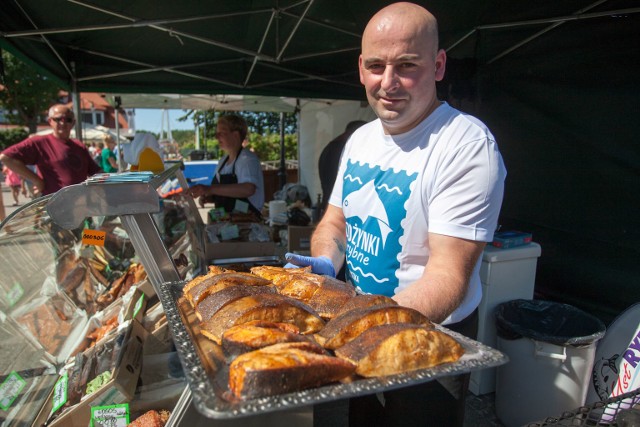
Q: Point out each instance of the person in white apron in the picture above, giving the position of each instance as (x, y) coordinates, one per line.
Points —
(238, 184)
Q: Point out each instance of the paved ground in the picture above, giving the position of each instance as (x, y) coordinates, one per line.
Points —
(480, 411)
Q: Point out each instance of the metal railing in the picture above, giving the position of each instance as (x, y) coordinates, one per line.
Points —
(275, 164)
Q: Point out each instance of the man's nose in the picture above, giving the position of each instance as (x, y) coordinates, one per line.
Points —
(389, 78)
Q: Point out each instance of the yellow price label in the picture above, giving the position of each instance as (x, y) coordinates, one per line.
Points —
(93, 237)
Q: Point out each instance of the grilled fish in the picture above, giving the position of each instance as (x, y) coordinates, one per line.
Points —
(396, 348)
(284, 368)
(324, 294)
(365, 300)
(214, 301)
(269, 307)
(258, 334)
(345, 327)
(278, 275)
(195, 293)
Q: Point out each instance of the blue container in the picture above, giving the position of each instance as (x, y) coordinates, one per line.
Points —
(200, 172)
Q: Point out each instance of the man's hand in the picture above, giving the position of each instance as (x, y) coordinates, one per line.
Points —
(319, 265)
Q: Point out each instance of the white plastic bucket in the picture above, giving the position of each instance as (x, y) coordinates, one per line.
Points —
(551, 348)
(541, 380)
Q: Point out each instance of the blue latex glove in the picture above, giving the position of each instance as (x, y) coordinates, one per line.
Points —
(319, 265)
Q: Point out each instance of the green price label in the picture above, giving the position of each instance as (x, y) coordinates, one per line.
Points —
(60, 393)
(14, 294)
(10, 389)
(110, 416)
(138, 306)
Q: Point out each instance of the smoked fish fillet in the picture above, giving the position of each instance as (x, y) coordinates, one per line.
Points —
(324, 294)
(258, 334)
(213, 271)
(212, 283)
(345, 327)
(396, 348)
(365, 300)
(278, 275)
(214, 301)
(284, 368)
(269, 307)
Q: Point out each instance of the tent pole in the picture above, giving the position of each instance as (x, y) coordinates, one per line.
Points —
(75, 99)
(282, 172)
(118, 102)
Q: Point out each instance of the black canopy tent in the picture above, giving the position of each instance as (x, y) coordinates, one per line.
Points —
(555, 80)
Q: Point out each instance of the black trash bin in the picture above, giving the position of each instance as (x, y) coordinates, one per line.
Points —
(551, 349)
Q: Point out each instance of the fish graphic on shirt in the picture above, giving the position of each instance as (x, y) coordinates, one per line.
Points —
(367, 196)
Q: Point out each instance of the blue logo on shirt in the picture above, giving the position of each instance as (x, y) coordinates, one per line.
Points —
(374, 205)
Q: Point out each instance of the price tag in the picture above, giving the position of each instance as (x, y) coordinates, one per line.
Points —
(93, 237)
(138, 306)
(60, 393)
(241, 206)
(14, 294)
(10, 389)
(110, 416)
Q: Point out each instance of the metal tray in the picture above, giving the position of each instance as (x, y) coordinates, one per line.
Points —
(203, 376)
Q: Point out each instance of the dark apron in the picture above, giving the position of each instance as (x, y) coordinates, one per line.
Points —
(229, 203)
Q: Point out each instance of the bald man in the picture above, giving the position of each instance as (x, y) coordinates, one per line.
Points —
(60, 160)
(420, 196)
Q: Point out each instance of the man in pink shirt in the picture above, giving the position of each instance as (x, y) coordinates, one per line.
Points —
(60, 160)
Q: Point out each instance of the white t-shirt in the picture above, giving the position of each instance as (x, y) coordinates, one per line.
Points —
(445, 176)
(247, 169)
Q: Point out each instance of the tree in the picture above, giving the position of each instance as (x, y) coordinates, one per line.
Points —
(261, 123)
(26, 93)
(264, 132)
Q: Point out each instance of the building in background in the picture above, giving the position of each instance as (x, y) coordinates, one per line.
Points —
(95, 110)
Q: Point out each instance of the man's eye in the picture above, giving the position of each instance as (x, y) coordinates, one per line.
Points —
(408, 65)
(375, 67)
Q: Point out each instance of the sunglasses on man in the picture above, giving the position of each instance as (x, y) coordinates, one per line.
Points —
(62, 119)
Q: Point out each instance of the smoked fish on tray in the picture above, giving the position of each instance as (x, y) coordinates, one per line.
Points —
(270, 307)
(347, 326)
(284, 368)
(396, 348)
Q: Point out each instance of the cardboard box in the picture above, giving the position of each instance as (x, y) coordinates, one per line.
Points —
(119, 389)
(299, 238)
(511, 239)
(232, 250)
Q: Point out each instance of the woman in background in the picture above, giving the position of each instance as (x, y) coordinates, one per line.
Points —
(238, 184)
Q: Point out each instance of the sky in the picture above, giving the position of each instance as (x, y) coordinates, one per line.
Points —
(151, 120)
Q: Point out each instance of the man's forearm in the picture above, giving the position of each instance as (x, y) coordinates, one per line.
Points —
(21, 169)
(329, 237)
(436, 296)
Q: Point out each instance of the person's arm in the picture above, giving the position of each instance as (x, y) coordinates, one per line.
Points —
(21, 169)
(239, 191)
(112, 162)
(445, 280)
(329, 238)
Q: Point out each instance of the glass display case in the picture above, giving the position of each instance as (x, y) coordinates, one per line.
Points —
(80, 263)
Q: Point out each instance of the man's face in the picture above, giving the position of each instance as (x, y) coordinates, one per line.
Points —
(399, 71)
(61, 120)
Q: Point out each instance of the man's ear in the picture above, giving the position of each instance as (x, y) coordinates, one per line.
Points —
(440, 65)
